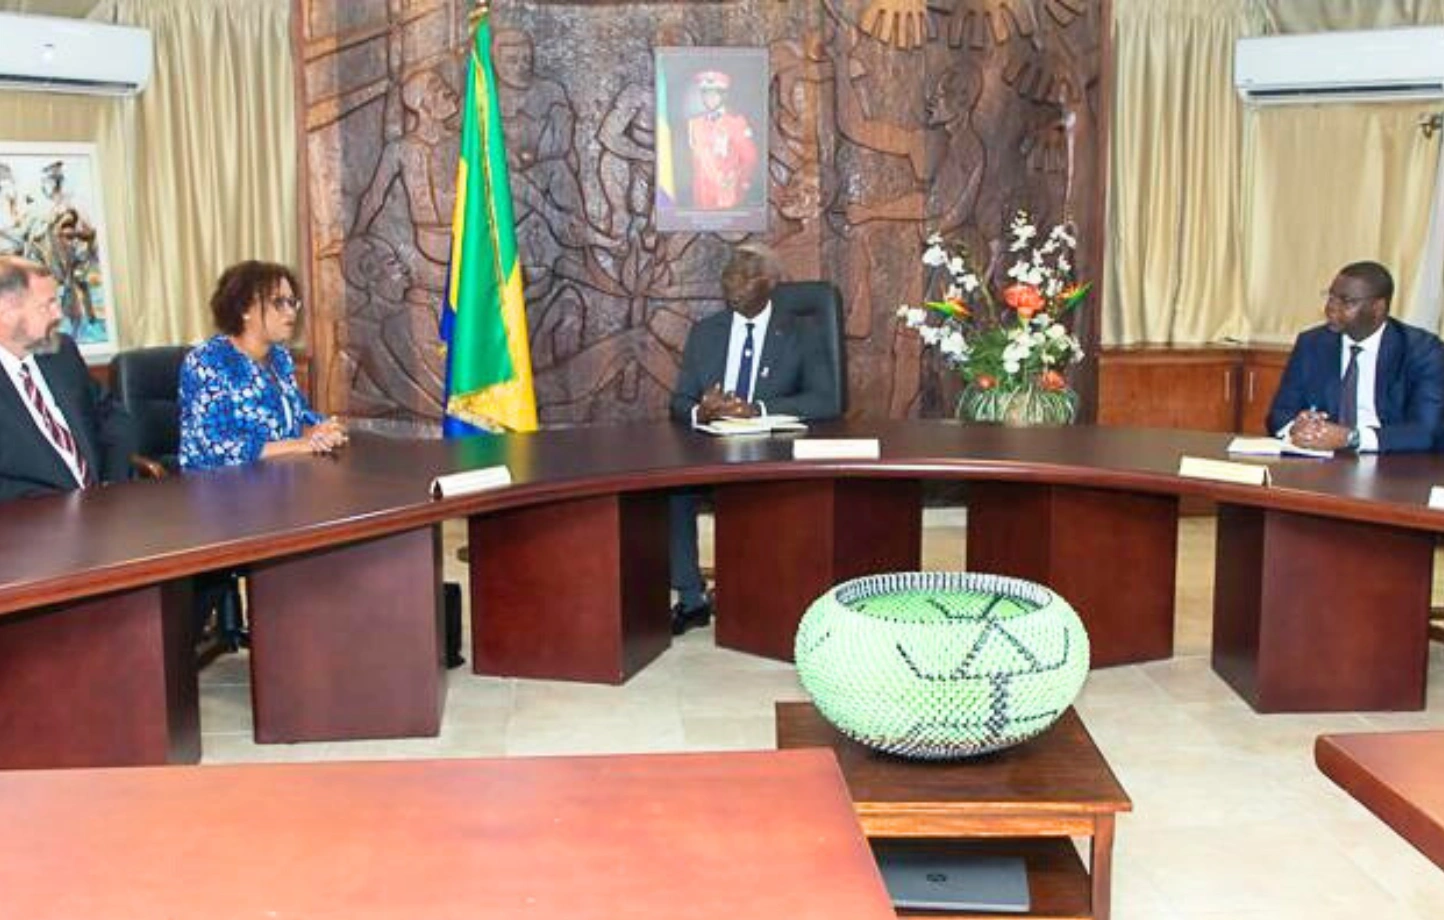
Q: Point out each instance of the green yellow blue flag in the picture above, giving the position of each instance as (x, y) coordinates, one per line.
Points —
(483, 319)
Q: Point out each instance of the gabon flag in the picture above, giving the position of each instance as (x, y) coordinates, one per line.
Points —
(483, 319)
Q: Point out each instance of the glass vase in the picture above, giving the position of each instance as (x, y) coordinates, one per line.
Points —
(1018, 405)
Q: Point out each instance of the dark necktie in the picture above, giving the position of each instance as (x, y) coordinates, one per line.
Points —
(60, 436)
(1349, 390)
(744, 368)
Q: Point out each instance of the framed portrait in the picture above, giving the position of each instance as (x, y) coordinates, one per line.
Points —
(51, 213)
(711, 138)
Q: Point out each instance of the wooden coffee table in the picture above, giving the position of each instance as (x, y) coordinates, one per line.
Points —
(1026, 801)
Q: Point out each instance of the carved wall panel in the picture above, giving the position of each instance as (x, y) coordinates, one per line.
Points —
(890, 118)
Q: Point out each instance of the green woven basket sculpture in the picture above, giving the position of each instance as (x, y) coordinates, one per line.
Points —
(938, 665)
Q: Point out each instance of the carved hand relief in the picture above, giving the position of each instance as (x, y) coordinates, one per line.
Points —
(889, 118)
(904, 23)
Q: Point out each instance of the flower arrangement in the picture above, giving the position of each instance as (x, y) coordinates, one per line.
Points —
(1013, 347)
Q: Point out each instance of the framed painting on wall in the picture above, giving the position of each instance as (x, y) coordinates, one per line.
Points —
(51, 213)
(711, 139)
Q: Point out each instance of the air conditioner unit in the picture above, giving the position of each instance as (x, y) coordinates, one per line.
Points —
(53, 54)
(1379, 65)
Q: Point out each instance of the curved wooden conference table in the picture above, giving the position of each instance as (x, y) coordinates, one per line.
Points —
(1321, 586)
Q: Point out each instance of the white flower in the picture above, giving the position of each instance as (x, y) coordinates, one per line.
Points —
(930, 334)
(1056, 331)
(1052, 287)
(1064, 265)
(953, 344)
(1011, 367)
(969, 282)
(953, 293)
(1017, 351)
(956, 266)
(917, 316)
(1041, 320)
(1022, 232)
(902, 311)
(934, 256)
(935, 239)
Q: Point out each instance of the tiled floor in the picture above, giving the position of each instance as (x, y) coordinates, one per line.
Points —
(1231, 818)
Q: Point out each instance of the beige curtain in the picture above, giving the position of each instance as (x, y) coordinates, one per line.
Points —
(216, 155)
(199, 171)
(1331, 15)
(1174, 247)
(1220, 222)
(1327, 185)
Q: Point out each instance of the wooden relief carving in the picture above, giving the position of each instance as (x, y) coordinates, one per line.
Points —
(890, 118)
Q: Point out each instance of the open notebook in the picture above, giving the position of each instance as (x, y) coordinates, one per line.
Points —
(759, 424)
(1273, 447)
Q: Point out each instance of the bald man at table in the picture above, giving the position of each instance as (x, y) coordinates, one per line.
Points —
(744, 361)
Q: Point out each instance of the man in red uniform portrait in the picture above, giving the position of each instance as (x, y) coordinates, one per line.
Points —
(724, 154)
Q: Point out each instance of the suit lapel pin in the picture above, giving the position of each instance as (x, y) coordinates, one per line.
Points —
(762, 375)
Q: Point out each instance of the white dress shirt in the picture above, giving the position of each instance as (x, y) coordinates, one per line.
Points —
(730, 383)
(733, 367)
(1367, 423)
(12, 367)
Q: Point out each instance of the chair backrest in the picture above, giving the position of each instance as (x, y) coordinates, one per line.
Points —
(146, 381)
(819, 303)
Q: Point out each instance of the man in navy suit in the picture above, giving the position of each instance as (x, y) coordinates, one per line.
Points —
(745, 361)
(1363, 381)
(57, 431)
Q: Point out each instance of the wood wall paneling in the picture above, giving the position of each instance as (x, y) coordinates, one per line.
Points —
(991, 105)
(1203, 388)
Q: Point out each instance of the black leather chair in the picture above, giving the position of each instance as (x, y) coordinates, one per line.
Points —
(819, 303)
(147, 383)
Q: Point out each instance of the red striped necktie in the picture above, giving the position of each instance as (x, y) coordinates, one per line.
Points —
(60, 436)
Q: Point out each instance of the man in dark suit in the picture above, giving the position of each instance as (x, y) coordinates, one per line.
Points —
(745, 361)
(1363, 381)
(57, 431)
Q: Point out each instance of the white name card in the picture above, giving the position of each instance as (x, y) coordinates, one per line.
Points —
(453, 484)
(1436, 497)
(836, 449)
(1248, 474)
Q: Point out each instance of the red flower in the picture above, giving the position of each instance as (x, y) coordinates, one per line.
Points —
(985, 381)
(1053, 381)
(1024, 298)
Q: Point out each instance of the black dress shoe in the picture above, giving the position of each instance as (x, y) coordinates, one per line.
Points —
(685, 618)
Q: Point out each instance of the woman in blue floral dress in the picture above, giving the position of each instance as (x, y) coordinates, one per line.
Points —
(238, 396)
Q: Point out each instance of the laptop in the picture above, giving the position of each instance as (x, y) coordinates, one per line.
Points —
(936, 877)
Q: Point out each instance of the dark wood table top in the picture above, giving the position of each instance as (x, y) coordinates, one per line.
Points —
(1059, 769)
(1399, 776)
(65, 547)
(756, 834)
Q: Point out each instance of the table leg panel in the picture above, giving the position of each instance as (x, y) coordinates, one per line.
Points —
(780, 545)
(1112, 555)
(109, 681)
(346, 643)
(573, 590)
(1339, 617)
